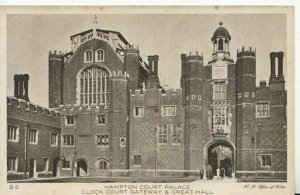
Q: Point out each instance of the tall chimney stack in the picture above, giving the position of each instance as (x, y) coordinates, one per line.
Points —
(21, 86)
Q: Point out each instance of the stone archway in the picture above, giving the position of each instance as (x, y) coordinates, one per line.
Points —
(80, 167)
(220, 153)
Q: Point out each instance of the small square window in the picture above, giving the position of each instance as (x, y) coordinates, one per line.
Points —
(66, 164)
(246, 94)
(69, 119)
(199, 97)
(265, 160)
(102, 140)
(168, 110)
(239, 95)
(68, 140)
(193, 97)
(137, 160)
(122, 142)
(138, 111)
(253, 94)
(262, 109)
(101, 119)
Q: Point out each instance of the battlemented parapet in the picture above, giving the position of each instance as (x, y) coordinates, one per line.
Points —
(194, 56)
(132, 49)
(32, 108)
(246, 52)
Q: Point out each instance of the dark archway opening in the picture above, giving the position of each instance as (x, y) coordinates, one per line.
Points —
(81, 169)
(221, 156)
(32, 168)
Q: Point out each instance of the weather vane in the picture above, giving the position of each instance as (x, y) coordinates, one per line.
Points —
(95, 21)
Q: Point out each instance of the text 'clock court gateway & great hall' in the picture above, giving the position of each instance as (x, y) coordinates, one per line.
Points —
(109, 116)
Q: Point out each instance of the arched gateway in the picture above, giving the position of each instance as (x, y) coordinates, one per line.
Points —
(80, 168)
(220, 153)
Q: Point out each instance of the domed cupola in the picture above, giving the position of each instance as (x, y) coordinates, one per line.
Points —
(221, 32)
(221, 39)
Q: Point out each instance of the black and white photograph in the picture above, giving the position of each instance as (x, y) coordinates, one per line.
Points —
(150, 98)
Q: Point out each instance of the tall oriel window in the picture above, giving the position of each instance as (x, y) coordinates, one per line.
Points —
(93, 86)
(219, 90)
(220, 119)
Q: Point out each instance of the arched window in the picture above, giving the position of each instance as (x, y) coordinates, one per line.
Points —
(103, 164)
(226, 45)
(93, 86)
(88, 56)
(220, 47)
(215, 45)
(99, 55)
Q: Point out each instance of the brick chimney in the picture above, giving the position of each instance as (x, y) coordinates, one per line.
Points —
(21, 86)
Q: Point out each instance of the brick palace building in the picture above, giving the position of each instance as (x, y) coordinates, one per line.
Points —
(109, 115)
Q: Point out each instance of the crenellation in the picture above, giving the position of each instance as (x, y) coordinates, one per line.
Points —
(135, 47)
(121, 105)
(246, 51)
(29, 106)
(120, 75)
(193, 56)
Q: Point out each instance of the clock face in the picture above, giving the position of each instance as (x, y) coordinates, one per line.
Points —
(219, 70)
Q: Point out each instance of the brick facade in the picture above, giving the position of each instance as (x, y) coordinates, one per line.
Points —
(27, 116)
(116, 119)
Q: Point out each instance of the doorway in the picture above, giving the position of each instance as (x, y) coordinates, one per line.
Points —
(32, 168)
(81, 168)
(221, 155)
(55, 167)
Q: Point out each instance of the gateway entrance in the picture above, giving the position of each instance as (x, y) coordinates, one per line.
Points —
(220, 158)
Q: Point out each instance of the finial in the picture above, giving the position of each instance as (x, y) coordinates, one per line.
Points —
(221, 23)
(95, 22)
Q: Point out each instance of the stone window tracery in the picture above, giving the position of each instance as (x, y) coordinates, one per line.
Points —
(93, 86)
(220, 119)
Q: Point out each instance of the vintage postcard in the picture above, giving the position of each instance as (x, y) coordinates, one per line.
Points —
(147, 100)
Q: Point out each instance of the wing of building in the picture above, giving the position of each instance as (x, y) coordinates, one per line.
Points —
(112, 118)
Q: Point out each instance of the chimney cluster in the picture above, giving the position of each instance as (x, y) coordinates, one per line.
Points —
(21, 86)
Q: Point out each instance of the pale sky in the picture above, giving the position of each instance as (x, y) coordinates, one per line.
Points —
(31, 37)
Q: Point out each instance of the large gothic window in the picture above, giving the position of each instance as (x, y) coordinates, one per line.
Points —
(93, 86)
